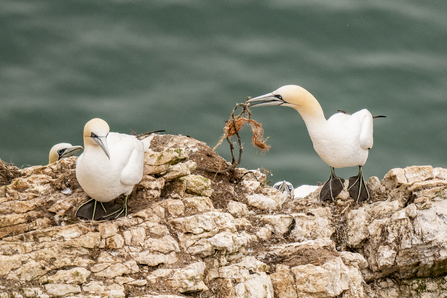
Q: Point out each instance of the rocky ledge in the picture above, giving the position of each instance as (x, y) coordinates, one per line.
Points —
(194, 233)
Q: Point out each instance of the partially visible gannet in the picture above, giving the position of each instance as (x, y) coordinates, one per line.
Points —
(304, 190)
(286, 188)
(341, 141)
(62, 150)
(111, 164)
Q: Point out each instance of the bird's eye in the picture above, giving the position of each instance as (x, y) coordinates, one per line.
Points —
(60, 152)
(93, 135)
(278, 96)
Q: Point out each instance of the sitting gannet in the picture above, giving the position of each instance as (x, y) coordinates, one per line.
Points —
(62, 150)
(111, 164)
(341, 141)
(286, 188)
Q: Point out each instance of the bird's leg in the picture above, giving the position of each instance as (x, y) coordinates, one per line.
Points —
(357, 187)
(120, 211)
(333, 186)
(103, 208)
(94, 210)
(85, 210)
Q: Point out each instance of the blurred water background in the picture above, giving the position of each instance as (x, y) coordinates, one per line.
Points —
(183, 65)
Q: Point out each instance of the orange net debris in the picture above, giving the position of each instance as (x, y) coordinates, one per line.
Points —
(257, 139)
(233, 126)
(256, 129)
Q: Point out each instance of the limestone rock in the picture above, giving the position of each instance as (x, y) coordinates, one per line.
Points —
(281, 223)
(198, 204)
(237, 209)
(189, 279)
(60, 290)
(264, 233)
(196, 184)
(107, 230)
(328, 280)
(357, 226)
(401, 250)
(89, 240)
(29, 271)
(316, 223)
(174, 207)
(7, 263)
(243, 269)
(165, 244)
(180, 170)
(205, 222)
(114, 242)
(284, 282)
(262, 202)
(354, 259)
(397, 177)
(194, 231)
(168, 156)
(118, 269)
(225, 242)
(73, 276)
(250, 277)
(255, 286)
(153, 259)
(250, 185)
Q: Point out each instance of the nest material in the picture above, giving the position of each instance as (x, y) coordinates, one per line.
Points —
(8, 172)
(256, 129)
(233, 126)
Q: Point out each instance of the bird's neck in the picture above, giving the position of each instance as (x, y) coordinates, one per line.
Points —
(92, 150)
(311, 111)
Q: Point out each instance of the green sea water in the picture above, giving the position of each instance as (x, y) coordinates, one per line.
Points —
(183, 65)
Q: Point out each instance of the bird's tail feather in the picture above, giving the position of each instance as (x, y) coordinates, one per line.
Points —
(147, 137)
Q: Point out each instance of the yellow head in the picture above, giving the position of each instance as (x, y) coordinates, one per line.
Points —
(62, 150)
(291, 96)
(95, 134)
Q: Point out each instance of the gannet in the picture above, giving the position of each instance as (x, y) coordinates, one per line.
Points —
(286, 188)
(111, 164)
(341, 141)
(62, 150)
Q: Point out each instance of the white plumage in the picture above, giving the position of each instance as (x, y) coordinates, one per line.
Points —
(341, 141)
(111, 164)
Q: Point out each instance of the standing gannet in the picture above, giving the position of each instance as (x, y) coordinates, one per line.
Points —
(111, 164)
(62, 150)
(341, 141)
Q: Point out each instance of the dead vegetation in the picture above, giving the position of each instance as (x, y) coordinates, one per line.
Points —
(8, 172)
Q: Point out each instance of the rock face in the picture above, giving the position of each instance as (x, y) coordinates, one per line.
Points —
(194, 233)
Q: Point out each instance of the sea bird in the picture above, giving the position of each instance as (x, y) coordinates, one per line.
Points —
(111, 164)
(62, 150)
(286, 189)
(341, 141)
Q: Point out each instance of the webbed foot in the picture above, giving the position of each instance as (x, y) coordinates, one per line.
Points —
(357, 187)
(120, 212)
(88, 210)
(332, 188)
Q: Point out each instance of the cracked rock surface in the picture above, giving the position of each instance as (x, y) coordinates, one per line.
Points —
(194, 233)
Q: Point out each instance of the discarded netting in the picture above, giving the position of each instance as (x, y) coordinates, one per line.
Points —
(234, 125)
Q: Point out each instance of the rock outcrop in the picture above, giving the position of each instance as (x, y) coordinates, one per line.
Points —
(194, 233)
